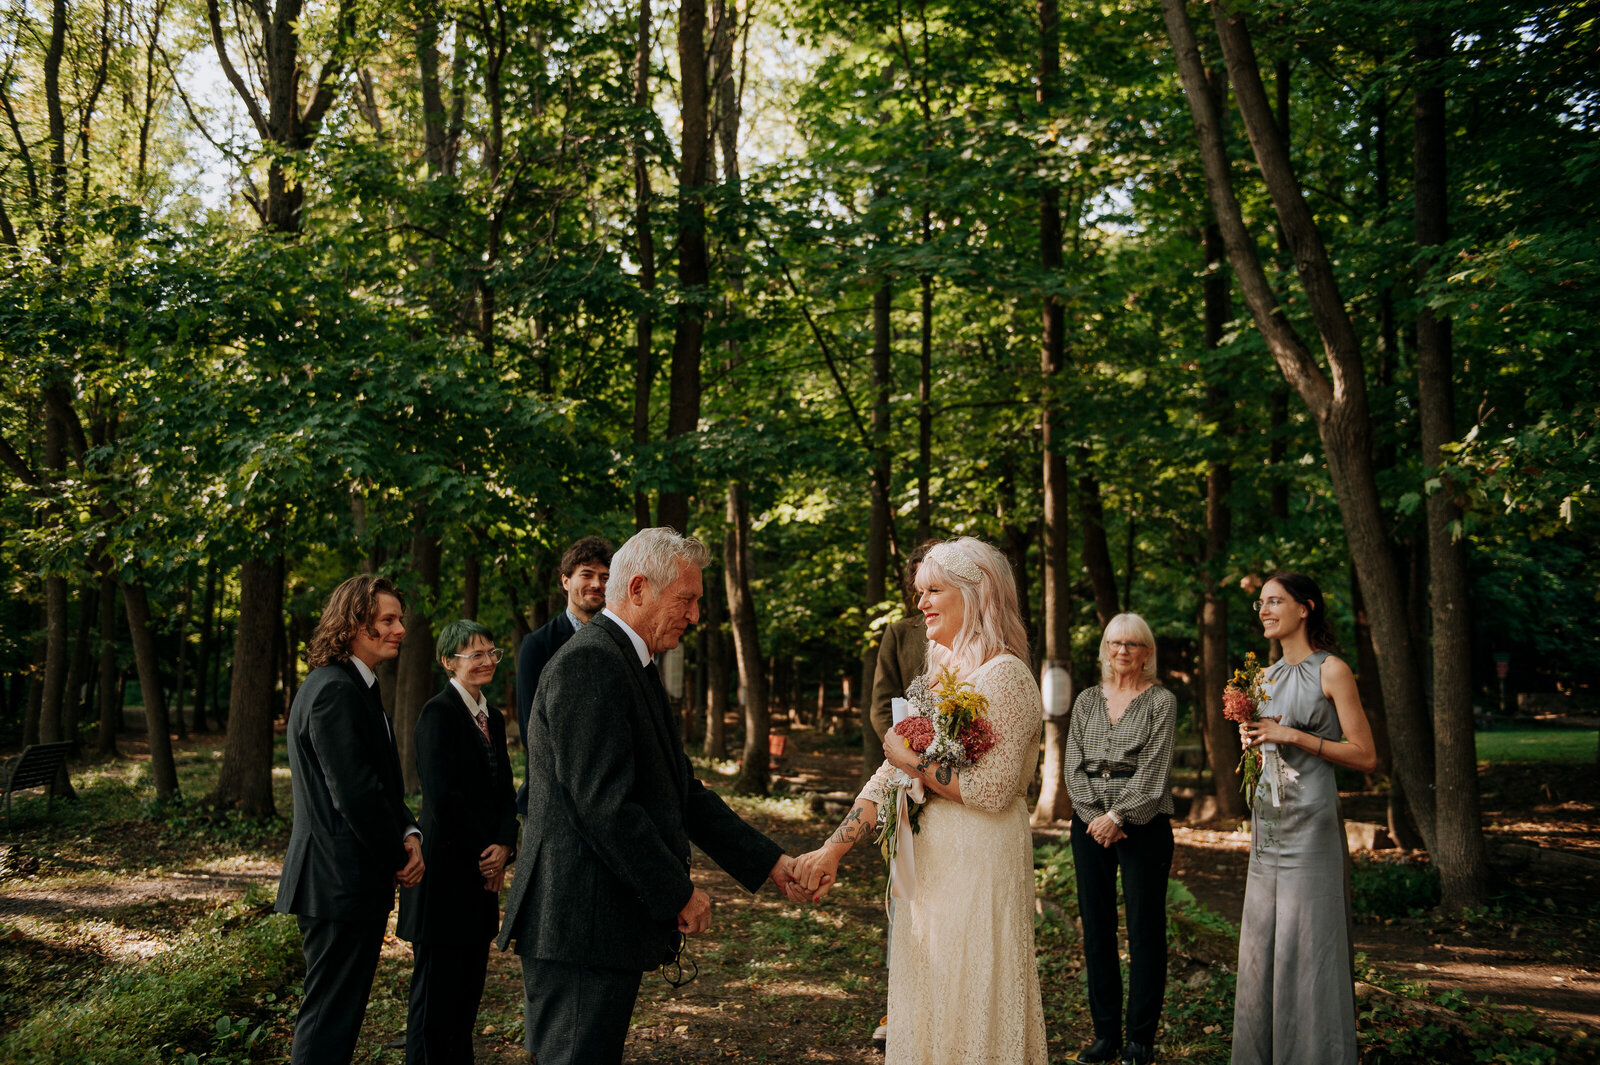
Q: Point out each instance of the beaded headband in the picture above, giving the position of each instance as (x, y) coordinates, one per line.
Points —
(954, 560)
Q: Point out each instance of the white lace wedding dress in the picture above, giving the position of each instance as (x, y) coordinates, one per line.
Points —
(963, 983)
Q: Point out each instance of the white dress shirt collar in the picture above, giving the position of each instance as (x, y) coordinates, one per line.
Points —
(637, 640)
(480, 705)
(365, 670)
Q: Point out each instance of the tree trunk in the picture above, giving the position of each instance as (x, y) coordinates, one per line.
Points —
(245, 783)
(1338, 405)
(471, 583)
(1222, 736)
(78, 678)
(694, 267)
(753, 775)
(1096, 549)
(1457, 846)
(110, 690)
(878, 521)
(202, 658)
(716, 651)
(1055, 667)
(414, 670)
(136, 605)
(182, 660)
(925, 408)
(644, 325)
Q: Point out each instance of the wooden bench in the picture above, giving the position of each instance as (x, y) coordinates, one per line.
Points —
(36, 767)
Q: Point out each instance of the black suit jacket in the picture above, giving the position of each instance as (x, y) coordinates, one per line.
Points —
(350, 816)
(532, 656)
(467, 804)
(603, 869)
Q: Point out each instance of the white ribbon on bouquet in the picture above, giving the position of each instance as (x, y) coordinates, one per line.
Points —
(903, 867)
(1276, 774)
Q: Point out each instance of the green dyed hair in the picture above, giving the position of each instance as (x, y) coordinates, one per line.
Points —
(456, 635)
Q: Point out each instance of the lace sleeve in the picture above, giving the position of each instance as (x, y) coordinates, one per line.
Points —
(877, 789)
(1016, 714)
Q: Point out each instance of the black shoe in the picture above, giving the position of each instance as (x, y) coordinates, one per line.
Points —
(1138, 1054)
(1099, 1052)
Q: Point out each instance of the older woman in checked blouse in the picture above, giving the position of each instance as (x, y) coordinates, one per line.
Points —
(1119, 751)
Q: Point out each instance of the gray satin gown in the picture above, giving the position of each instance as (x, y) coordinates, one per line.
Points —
(1296, 989)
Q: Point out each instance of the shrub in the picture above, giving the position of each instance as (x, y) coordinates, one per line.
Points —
(188, 1004)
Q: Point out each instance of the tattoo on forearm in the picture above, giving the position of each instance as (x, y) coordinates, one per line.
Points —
(853, 828)
(943, 774)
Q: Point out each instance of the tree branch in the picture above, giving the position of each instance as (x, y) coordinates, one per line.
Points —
(214, 17)
(1289, 351)
(17, 465)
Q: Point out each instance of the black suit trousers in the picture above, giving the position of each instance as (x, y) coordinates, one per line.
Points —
(577, 1014)
(341, 960)
(1145, 859)
(446, 988)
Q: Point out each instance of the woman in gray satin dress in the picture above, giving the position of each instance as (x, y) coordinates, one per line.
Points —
(1296, 988)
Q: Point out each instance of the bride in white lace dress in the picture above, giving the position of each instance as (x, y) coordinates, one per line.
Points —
(963, 982)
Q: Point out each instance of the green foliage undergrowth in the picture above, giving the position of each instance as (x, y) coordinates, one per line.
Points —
(211, 998)
(1393, 889)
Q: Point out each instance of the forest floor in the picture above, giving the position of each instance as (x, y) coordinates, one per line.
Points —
(110, 882)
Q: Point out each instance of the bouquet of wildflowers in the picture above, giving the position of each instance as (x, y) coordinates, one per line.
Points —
(946, 724)
(1261, 766)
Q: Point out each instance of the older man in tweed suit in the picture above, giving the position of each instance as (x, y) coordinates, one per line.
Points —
(602, 890)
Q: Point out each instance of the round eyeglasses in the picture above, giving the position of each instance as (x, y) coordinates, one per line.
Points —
(1275, 602)
(494, 654)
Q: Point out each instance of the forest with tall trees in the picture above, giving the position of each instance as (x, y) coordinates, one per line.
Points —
(1156, 298)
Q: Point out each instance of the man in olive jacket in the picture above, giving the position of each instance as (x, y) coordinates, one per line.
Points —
(602, 890)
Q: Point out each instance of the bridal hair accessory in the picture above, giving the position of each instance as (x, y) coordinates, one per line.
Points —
(951, 558)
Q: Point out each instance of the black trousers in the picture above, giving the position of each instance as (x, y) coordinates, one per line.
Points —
(341, 959)
(1145, 859)
(446, 988)
(576, 1014)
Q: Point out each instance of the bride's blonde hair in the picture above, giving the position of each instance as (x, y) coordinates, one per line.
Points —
(991, 623)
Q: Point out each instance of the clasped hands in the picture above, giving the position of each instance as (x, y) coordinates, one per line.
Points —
(695, 917)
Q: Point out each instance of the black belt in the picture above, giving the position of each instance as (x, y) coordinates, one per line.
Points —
(1112, 774)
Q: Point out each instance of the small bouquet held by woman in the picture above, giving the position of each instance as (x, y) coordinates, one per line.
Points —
(1260, 766)
(945, 725)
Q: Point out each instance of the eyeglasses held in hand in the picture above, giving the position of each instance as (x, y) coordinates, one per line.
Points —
(494, 655)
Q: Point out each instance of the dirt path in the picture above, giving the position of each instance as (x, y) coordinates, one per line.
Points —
(759, 997)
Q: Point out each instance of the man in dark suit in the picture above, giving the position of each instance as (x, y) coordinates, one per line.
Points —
(602, 890)
(469, 818)
(584, 570)
(353, 839)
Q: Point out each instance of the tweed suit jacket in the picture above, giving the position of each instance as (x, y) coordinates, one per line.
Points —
(350, 816)
(603, 869)
(467, 804)
(901, 656)
(533, 654)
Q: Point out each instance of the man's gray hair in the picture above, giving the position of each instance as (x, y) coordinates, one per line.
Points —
(653, 554)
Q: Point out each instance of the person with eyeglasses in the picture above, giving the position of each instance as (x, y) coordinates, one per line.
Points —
(1296, 990)
(469, 830)
(1118, 760)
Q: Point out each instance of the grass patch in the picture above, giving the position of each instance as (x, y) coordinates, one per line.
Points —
(1565, 746)
(214, 997)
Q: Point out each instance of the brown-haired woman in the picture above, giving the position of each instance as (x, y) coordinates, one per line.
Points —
(1296, 990)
